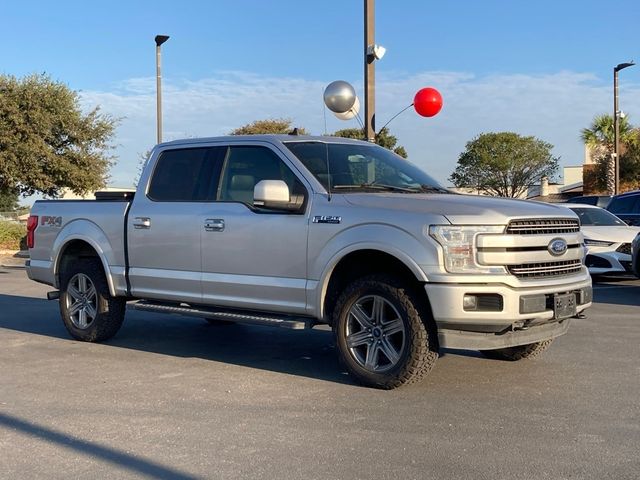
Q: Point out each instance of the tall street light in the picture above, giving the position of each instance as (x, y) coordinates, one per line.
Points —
(616, 122)
(160, 39)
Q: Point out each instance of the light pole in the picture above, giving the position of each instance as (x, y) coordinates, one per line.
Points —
(616, 123)
(372, 52)
(369, 72)
(160, 39)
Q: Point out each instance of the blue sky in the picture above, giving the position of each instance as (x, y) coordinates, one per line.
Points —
(538, 68)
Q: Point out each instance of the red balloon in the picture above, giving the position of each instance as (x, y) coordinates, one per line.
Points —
(427, 102)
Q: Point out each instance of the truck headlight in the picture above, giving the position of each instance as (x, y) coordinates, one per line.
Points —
(459, 247)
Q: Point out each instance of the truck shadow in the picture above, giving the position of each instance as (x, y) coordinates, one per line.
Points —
(306, 353)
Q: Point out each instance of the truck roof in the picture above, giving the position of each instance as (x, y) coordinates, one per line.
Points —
(279, 138)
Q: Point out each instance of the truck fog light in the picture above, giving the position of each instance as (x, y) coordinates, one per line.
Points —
(470, 302)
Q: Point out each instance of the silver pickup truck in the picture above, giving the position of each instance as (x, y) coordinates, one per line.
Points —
(296, 231)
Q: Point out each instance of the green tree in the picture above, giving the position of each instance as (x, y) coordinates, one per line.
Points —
(600, 138)
(46, 142)
(383, 138)
(504, 164)
(8, 200)
(275, 126)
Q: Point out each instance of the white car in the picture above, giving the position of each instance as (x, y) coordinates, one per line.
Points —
(607, 238)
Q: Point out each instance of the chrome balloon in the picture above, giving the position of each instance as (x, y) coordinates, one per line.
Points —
(339, 96)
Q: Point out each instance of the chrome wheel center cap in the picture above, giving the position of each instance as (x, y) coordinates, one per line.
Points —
(377, 333)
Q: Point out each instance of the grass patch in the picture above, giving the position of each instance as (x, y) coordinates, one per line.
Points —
(12, 235)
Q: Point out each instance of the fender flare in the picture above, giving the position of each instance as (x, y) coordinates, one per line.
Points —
(90, 233)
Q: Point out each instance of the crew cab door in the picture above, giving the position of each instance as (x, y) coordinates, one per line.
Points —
(254, 258)
(165, 224)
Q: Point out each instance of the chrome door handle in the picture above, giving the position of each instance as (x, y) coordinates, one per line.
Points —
(214, 225)
(142, 222)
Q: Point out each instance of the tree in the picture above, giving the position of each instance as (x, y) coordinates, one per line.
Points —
(8, 200)
(600, 138)
(504, 164)
(278, 125)
(383, 138)
(46, 142)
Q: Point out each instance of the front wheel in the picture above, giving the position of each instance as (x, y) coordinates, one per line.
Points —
(384, 334)
(520, 352)
(88, 310)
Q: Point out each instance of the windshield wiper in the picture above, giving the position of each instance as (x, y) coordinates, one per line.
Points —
(377, 186)
(431, 189)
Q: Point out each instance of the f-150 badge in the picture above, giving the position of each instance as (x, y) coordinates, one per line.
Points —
(327, 219)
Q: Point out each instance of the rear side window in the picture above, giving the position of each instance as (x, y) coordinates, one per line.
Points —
(624, 204)
(186, 175)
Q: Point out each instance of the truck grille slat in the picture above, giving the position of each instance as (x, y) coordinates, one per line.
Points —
(543, 226)
(546, 269)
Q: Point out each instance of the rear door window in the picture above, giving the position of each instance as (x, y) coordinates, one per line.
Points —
(186, 175)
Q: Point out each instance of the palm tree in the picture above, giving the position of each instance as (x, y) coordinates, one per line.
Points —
(600, 139)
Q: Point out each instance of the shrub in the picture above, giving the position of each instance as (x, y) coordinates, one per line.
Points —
(12, 235)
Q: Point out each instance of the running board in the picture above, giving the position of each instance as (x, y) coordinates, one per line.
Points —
(251, 318)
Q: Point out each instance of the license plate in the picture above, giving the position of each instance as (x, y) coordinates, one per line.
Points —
(564, 306)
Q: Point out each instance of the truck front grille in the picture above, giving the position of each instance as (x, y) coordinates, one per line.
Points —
(546, 269)
(543, 226)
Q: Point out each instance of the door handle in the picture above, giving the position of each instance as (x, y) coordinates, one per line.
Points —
(214, 225)
(142, 222)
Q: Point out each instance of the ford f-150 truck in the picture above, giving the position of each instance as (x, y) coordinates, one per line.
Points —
(295, 231)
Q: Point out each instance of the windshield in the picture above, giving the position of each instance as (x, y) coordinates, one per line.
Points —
(596, 217)
(355, 167)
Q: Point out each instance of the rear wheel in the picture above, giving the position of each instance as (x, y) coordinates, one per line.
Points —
(88, 310)
(384, 334)
(520, 352)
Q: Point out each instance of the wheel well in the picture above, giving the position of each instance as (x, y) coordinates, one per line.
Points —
(72, 252)
(359, 264)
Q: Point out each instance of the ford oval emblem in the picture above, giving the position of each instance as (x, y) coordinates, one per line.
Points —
(557, 247)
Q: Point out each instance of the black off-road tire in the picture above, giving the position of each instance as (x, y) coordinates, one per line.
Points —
(420, 349)
(110, 310)
(520, 352)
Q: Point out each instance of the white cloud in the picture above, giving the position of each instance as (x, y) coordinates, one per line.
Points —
(553, 107)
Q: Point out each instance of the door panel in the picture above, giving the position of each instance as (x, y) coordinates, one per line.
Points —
(164, 259)
(165, 224)
(257, 262)
(258, 259)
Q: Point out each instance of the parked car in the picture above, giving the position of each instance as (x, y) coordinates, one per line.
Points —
(635, 255)
(607, 238)
(626, 206)
(598, 200)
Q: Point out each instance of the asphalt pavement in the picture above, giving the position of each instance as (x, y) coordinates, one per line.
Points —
(174, 397)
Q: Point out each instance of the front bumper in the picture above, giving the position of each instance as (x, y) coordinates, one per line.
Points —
(509, 326)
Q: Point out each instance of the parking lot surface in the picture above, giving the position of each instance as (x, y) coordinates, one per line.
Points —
(174, 397)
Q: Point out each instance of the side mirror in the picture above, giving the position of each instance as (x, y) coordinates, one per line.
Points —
(275, 195)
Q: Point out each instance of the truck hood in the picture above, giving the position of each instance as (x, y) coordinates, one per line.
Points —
(460, 209)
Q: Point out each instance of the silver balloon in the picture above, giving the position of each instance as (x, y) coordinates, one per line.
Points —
(351, 113)
(339, 96)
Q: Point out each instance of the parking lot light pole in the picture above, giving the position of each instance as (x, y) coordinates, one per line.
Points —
(616, 123)
(160, 39)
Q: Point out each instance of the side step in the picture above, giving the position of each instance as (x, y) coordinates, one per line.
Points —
(251, 318)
